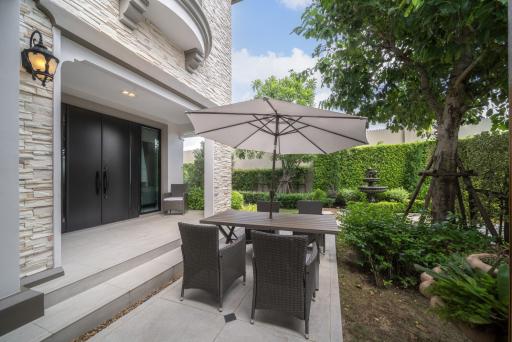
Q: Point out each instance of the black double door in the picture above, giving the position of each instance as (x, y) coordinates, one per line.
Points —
(101, 169)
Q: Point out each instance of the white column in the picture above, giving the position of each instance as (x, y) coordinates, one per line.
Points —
(9, 127)
(174, 158)
(209, 196)
(57, 189)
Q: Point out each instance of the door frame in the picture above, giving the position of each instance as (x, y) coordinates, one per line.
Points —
(159, 208)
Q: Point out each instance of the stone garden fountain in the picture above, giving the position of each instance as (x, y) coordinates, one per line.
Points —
(372, 188)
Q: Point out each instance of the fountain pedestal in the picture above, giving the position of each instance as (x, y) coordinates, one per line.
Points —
(371, 189)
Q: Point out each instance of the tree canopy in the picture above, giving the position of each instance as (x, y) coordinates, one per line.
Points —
(397, 61)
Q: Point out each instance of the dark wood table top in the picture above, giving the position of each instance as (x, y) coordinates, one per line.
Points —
(304, 223)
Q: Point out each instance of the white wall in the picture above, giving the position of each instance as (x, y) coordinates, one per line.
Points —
(9, 193)
(174, 157)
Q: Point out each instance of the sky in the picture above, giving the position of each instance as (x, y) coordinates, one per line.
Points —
(264, 45)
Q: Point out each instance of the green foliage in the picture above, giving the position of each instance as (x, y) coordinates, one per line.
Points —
(296, 87)
(251, 180)
(391, 245)
(318, 195)
(252, 197)
(346, 195)
(195, 198)
(346, 169)
(471, 295)
(287, 200)
(394, 195)
(248, 207)
(396, 61)
(237, 200)
(487, 154)
(193, 174)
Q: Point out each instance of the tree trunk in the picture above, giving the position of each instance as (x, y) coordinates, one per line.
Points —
(444, 188)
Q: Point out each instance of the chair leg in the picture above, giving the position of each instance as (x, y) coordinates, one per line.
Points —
(306, 330)
(253, 309)
(220, 301)
(182, 291)
(243, 279)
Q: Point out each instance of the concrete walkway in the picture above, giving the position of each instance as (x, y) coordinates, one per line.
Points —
(165, 318)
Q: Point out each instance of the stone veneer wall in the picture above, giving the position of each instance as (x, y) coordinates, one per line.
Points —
(36, 154)
(212, 78)
(222, 177)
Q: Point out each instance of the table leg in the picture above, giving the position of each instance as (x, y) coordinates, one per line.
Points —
(229, 234)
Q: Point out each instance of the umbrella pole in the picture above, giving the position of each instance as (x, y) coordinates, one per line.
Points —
(272, 191)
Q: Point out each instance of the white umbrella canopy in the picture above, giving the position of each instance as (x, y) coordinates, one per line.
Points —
(251, 125)
(279, 127)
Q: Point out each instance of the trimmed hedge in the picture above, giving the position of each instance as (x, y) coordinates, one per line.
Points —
(398, 165)
(248, 180)
(288, 201)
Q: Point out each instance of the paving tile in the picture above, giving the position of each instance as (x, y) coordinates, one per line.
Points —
(27, 333)
(237, 331)
(163, 320)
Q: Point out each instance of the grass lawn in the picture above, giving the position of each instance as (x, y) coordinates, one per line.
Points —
(385, 314)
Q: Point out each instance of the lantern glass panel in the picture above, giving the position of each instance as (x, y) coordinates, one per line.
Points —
(37, 60)
(52, 66)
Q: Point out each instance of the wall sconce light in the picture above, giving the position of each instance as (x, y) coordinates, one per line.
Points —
(38, 60)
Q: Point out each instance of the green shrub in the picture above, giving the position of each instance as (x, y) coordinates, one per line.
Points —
(390, 245)
(252, 197)
(394, 195)
(318, 195)
(251, 180)
(195, 199)
(237, 200)
(346, 195)
(289, 201)
(471, 295)
(248, 207)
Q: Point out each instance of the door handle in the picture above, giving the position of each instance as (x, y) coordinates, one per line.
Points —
(105, 182)
(97, 183)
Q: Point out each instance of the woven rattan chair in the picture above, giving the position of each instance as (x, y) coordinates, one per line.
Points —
(176, 200)
(313, 208)
(206, 266)
(284, 275)
(264, 207)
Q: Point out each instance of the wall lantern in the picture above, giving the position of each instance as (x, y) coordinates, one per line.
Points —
(38, 60)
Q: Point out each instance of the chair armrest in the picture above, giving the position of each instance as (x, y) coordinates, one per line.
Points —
(234, 248)
(312, 256)
(166, 194)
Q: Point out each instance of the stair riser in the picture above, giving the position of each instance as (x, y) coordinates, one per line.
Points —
(84, 284)
(117, 305)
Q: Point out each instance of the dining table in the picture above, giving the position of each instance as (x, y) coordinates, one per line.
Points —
(227, 221)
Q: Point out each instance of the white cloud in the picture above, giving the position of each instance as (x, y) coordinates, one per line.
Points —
(247, 68)
(296, 4)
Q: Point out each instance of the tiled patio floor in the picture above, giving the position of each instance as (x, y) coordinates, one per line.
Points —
(88, 251)
(165, 318)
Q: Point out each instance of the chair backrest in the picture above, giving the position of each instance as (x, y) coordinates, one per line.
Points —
(310, 207)
(200, 245)
(178, 189)
(280, 263)
(263, 206)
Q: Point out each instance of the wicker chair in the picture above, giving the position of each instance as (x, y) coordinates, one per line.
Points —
(284, 275)
(205, 265)
(262, 206)
(313, 208)
(176, 200)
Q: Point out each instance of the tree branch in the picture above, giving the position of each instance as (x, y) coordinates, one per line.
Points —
(390, 45)
(462, 76)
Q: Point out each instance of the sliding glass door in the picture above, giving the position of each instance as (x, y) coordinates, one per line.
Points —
(150, 170)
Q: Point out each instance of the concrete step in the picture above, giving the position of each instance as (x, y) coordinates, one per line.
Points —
(59, 289)
(84, 311)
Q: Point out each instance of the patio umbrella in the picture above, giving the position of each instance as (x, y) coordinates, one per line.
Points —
(282, 127)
